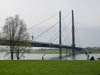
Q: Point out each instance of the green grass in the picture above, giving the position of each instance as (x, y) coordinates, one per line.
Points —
(49, 67)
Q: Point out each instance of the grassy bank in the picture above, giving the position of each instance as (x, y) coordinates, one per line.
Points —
(50, 67)
(64, 51)
(49, 51)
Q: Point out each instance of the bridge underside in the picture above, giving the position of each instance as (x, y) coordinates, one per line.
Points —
(51, 45)
(44, 44)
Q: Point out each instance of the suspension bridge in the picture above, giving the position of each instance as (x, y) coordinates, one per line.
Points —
(60, 44)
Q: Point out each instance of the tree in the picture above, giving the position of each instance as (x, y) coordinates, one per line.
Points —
(15, 31)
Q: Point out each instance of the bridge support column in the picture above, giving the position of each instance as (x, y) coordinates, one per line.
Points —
(60, 48)
(73, 34)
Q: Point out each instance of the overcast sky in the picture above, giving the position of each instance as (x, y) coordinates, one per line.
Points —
(87, 15)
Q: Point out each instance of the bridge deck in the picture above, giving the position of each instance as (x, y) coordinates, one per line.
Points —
(43, 44)
(51, 45)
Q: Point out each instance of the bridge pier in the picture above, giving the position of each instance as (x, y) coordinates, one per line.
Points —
(73, 50)
(60, 53)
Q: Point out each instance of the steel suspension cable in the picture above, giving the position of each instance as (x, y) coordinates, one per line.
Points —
(54, 38)
(46, 30)
(41, 23)
(66, 28)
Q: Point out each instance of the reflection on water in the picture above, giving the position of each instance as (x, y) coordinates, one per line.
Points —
(4, 56)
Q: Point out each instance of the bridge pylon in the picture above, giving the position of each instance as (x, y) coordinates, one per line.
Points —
(60, 41)
(73, 34)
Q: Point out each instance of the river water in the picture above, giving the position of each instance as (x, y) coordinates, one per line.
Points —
(5, 56)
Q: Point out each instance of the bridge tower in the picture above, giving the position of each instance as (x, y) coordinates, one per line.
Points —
(73, 34)
(60, 43)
